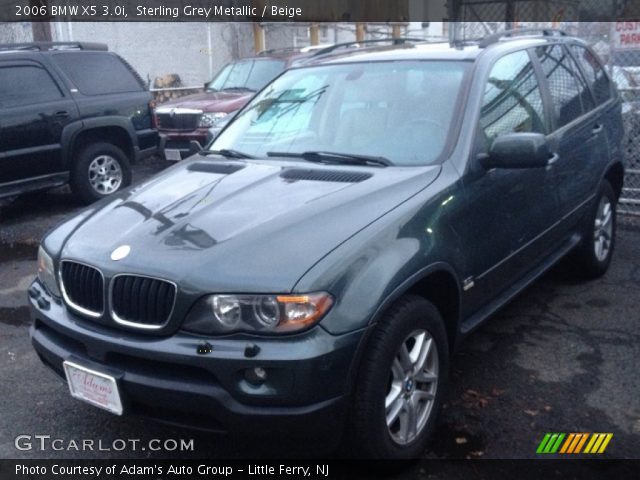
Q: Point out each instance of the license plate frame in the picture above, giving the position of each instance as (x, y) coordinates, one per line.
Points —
(93, 387)
(172, 154)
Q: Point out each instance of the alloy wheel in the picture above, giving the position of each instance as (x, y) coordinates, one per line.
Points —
(105, 174)
(603, 229)
(413, 382)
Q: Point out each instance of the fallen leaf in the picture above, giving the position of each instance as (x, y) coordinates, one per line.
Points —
(533, 413)
(473, 398)
(461, 440)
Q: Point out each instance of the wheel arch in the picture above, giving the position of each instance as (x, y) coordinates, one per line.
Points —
(614, 174)
(442, 289)
(115, 131)
(439, 284)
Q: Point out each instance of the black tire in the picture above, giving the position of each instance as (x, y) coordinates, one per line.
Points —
(369, 434)
(80, 175)
(584, 260)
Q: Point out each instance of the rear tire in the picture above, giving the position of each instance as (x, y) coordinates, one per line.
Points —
(100, 169)
(401, 382)
(592, 257)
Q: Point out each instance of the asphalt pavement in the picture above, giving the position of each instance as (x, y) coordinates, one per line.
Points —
(563, 357)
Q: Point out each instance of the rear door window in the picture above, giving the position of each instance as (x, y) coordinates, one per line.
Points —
(97, 73)
(569, 92)
(512, 100)
(596, 76)
(26, 85)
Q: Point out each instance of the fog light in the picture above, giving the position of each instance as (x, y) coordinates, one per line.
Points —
(256, 376)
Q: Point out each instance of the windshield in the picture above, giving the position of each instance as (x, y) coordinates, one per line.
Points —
(246, 75)
(401, 111)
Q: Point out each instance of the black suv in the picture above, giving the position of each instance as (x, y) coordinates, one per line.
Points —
(70, 112)
(354, 222)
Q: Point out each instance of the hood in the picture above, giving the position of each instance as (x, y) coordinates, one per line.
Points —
(227, 102)
(246, 226)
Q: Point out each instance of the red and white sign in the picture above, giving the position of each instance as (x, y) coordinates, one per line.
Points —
(625, 36)
(93, 387)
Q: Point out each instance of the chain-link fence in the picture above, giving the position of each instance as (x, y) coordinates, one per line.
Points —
(617, 43)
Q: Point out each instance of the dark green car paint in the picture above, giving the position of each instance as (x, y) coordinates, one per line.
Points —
(468, 238)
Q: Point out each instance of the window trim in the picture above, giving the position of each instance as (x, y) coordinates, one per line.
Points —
(545, 93)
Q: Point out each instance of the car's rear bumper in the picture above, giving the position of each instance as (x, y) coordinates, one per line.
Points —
(165, 378)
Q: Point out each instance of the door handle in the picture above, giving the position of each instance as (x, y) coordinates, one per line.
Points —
(61, 113)
(554, 158)
(597, 128)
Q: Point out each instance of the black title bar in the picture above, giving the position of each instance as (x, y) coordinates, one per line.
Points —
(370, 11)
(316, 469)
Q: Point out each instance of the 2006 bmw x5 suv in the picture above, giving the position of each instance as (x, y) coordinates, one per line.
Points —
(354, 222)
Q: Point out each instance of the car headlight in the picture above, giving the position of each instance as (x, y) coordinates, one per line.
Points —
(210, 119)
(46, 272)
(218, 314)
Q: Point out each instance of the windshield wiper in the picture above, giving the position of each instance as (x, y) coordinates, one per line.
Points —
(227, 153)
(238, 88)
(335, 157)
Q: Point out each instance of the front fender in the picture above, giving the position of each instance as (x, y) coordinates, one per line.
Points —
(380, 263)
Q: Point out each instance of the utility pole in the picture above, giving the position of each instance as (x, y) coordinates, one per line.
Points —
(314, 34)
(258, 37)
(41, 31)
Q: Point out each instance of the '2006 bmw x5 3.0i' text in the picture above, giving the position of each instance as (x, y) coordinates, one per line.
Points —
(318, 266)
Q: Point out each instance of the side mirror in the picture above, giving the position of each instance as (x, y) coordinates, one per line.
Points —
(519, 150)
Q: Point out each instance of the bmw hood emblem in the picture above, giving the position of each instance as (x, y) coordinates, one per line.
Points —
(120, 252)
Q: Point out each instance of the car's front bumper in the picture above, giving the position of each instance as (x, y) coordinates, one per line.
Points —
(149, 144)
(165, 378)
(183, 144)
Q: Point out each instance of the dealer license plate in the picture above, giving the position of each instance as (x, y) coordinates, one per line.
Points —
(93, 387)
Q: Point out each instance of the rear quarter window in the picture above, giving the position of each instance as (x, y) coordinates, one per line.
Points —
(98, 73)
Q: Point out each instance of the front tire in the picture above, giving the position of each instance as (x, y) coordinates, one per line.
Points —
(401, 382)
(592, 257)
(100, 169)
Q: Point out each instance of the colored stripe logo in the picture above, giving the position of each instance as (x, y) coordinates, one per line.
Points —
(574, 443)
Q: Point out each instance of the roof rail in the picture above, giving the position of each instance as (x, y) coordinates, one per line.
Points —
(45, 46)
(307, 49)
(271, 51)
(496, 37)
(356, 44)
